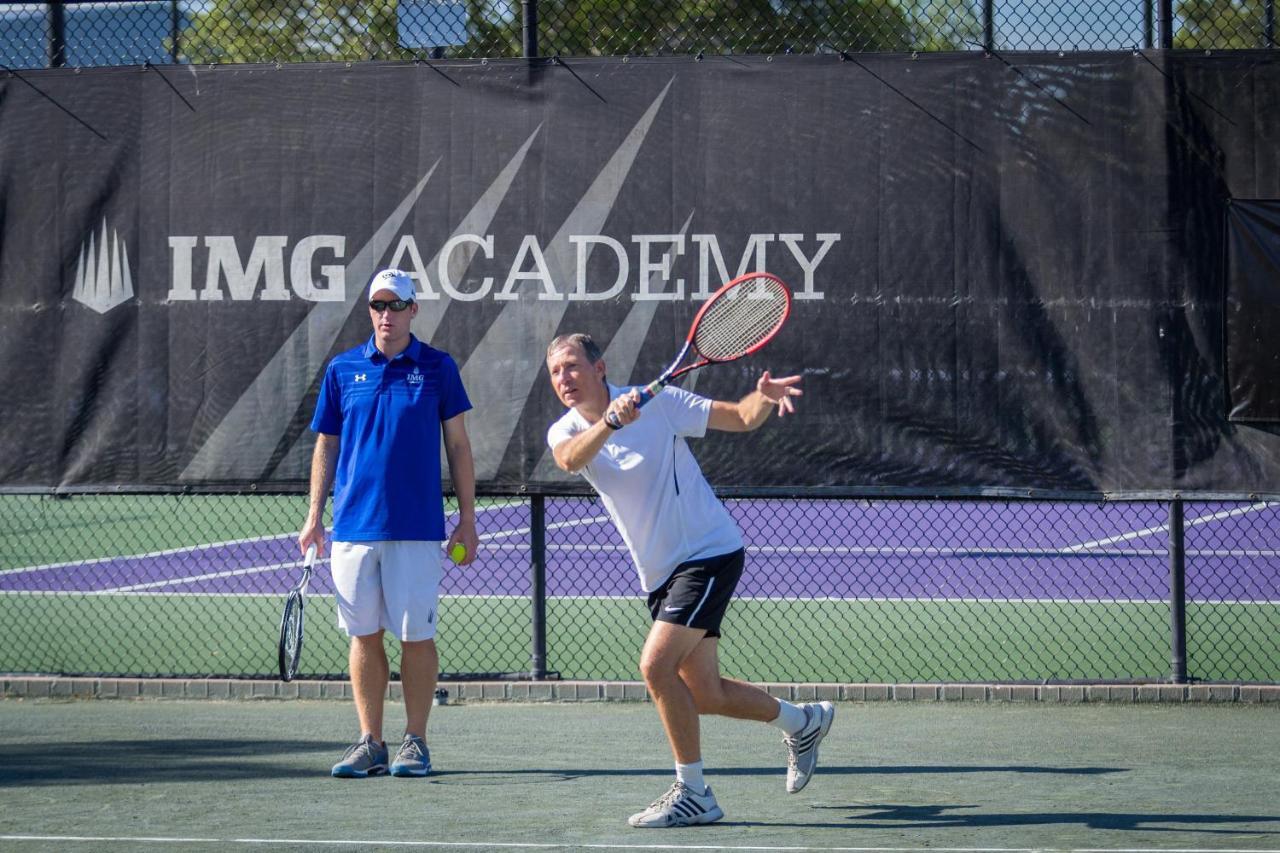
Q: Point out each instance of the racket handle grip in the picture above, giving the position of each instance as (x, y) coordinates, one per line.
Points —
(643, 396)
(311, 555)
(649, 391)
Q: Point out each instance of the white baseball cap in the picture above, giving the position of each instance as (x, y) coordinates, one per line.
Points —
(397, 281)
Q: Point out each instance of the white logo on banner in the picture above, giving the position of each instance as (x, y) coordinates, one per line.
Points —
(534, 280)
(103, 277)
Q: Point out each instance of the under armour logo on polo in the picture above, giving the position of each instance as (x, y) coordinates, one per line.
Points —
(360, 377)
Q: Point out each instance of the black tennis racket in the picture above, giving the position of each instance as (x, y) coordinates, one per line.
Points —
(736, 321)
(291, 621)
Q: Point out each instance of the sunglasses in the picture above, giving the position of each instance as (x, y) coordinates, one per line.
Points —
(397, 305)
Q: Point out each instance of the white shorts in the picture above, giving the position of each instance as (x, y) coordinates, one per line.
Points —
(392, 586)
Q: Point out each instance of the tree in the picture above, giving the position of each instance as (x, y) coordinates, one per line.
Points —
(685, 27)
(229, 31)
(1222, 24)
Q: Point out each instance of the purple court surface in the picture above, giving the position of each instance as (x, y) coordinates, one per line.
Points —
(856, 550)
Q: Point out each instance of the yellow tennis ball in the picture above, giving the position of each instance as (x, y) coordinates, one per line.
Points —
(458, 552)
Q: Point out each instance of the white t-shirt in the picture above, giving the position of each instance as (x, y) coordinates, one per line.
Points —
(652, 486)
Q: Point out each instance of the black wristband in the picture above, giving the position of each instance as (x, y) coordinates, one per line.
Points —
(610, 424)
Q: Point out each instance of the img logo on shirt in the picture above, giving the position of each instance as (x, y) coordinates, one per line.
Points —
(415, 378)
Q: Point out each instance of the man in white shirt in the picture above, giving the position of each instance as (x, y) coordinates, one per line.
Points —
(687, 551)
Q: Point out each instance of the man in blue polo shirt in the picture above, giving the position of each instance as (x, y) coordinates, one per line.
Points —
(378, 421)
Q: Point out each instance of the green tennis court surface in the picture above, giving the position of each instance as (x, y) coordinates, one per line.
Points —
(236, 635)
(148, 775)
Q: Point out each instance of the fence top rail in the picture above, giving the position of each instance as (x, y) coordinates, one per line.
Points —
(726, 492)
(1023, 56)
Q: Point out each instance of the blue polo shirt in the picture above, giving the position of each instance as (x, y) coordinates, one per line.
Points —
(387, 415)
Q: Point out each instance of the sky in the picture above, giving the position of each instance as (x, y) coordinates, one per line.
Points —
(1056, 25)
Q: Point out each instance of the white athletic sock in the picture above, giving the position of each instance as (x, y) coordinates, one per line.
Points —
(790, 719)
(691, 776)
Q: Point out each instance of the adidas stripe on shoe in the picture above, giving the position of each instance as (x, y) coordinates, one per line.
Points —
(679, 806)
(802, 747)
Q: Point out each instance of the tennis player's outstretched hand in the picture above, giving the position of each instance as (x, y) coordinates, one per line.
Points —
(780, 391)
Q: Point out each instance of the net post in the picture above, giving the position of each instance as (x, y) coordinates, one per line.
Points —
(1177, 595)
(538, 595)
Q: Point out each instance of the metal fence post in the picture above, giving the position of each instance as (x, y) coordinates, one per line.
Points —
(57, 35)
(175, 32)
(1148, 24)
(529, 16)
(1166, 24)
(989, 24)
(538, 561)
(1177, 595)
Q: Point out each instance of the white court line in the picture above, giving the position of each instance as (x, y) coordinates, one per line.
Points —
(559, 525)
(535, 845)
(866, 550)
(823, 550)
(201, 546)
(1138, 534)
(166, 552)
(921, 551)
(230, 573)
(637, 595)
(130, 839)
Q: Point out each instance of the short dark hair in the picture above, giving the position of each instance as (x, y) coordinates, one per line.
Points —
(580, 339)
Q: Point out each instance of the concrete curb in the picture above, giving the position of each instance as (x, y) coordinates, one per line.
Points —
(57, 687)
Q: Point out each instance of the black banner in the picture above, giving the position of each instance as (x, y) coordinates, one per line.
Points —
(1253, 310)
(1007, 269)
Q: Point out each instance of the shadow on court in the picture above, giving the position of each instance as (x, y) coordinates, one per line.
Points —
(446, 777)
(67, 762)
(885, 816)
(237, 775)
(162, 760)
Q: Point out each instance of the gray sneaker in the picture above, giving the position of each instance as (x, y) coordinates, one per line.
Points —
(413, 759)
(679, 806)
(802, 748)
(367, 757)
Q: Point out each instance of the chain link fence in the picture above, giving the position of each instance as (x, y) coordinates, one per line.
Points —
(37, 35)
(835, 590)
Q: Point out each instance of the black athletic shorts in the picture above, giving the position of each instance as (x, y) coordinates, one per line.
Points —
(697, 593)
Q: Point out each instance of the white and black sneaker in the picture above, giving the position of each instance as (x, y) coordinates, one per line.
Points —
(679, 806)
(802, 747)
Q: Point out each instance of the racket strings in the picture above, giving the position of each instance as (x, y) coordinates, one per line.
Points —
(740, 320)
(291, 636)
